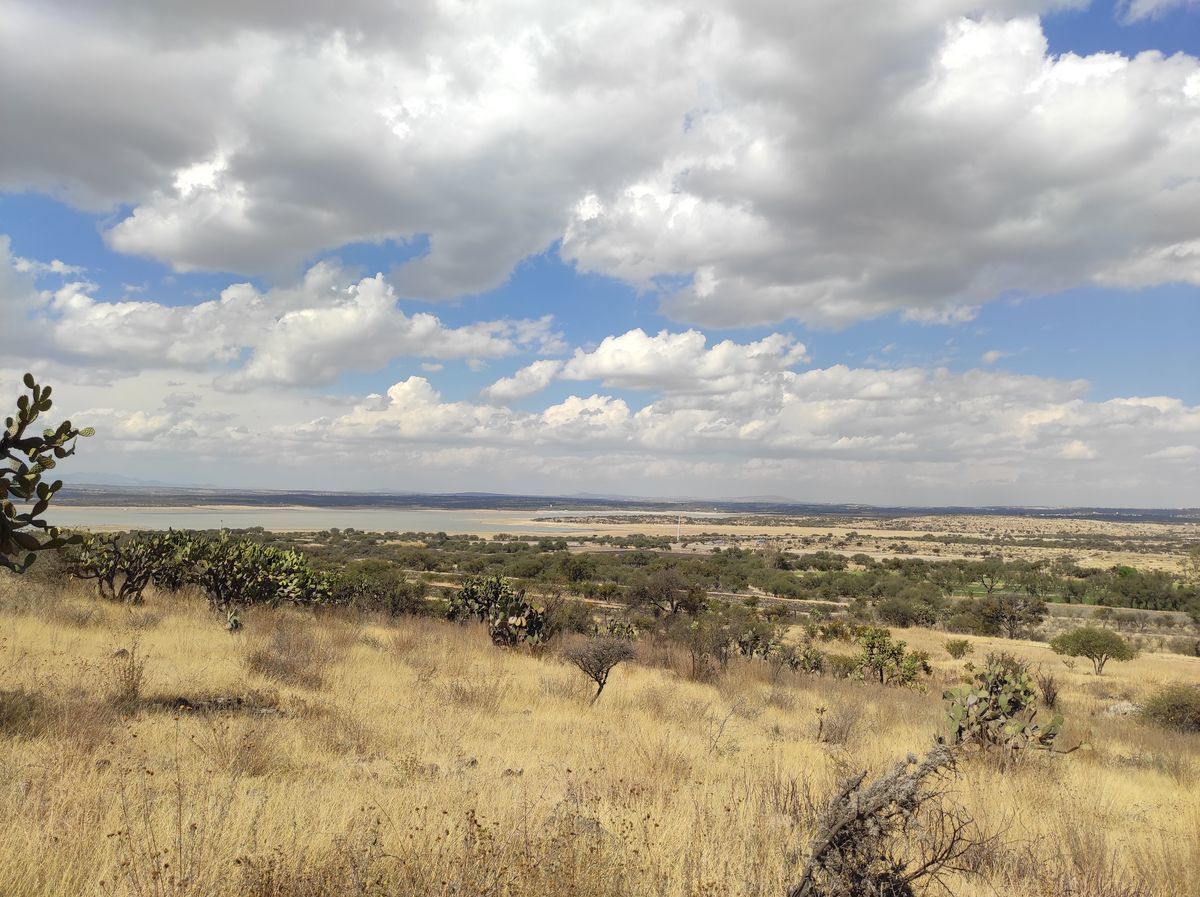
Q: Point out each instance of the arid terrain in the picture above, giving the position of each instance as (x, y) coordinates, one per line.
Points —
(146, 751)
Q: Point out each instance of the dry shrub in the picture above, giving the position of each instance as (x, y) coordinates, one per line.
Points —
(840, 725)
(23, 714)
(141, 619)
(237, 746)
(878, 840)
(342, 732)
(1174, 707)
(596, 658)
(564, 687)
(76, 616)
(174, 835)
(661, 759)
(782, 699)
(1048, 686)
(475, 691)
(125, 673)
(291, 653)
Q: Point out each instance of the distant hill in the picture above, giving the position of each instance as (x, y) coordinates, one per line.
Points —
(155, 495)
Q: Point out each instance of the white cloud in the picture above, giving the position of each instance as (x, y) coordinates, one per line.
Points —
(825, 162)
(991, 356)
(667, 362)
(681, 362)
(303, 334)
(909, 436)
(525, 382)
(30, 266)
(1139, 10)
(1077, 450)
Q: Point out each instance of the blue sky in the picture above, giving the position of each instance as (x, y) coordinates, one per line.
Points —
(892, 291)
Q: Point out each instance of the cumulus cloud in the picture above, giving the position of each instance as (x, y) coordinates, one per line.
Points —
(667, 362)
(837, 433)
(991, 356)
(303, 334)
(939, 436)
(825, 162)
(681, 362)
(525, 382)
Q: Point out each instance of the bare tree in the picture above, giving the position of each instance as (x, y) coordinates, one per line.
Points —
(597, 657)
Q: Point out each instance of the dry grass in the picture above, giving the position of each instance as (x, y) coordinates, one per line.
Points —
(420, 760)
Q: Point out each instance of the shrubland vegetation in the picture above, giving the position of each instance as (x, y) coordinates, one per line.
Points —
(323, 750)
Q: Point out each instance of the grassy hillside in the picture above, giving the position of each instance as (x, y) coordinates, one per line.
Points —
(320, 756)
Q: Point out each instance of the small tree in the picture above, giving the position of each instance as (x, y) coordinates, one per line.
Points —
(24, 458)
(1097, 645)
(598, 656)
(1011, 612)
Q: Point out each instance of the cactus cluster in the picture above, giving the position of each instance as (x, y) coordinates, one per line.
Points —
(510, 619)
(997, 711)
(25, 458)
(240, 573)
(124, 565)
(888, 660)
(805, 658)
(233, 573)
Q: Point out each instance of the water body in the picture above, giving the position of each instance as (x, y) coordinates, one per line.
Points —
(292, 519)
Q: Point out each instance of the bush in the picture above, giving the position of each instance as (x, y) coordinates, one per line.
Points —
(1174, 707)
(1047, 684)
(1185, 645)
(958, 648)
(841, 666)
(384, 591)
(882, 839)
(126, 673)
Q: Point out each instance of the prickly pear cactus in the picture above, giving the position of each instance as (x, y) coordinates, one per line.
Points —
(998, 711)
(510, 619)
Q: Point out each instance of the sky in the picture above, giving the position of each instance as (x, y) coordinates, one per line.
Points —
(939, 252)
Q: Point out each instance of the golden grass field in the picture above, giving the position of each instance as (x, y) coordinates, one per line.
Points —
(417, 759)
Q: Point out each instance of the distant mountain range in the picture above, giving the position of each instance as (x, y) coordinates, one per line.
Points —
(150, 494)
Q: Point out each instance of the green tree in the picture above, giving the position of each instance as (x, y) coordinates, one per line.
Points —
(25, 458)
(1097, 645)
(1011, 612)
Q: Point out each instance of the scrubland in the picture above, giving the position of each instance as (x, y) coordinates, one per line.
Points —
(146, 751)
